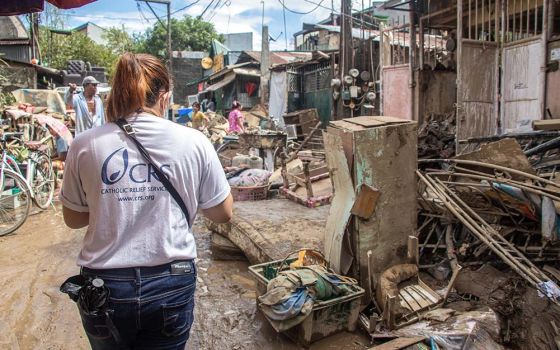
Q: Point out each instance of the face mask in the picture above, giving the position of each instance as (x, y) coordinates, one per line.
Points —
(164, 104)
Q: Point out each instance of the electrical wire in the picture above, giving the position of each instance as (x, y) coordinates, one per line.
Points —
(206, 9)
(342, 14)
(298, 12)
(112, 18)
(139, 7)
(185, 7)
(215, 10)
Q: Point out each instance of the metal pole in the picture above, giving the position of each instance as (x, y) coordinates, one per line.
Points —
(169, 50)
(459, 60)
(285, 30)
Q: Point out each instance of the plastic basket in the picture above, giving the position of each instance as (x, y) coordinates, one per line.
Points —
(254, 193)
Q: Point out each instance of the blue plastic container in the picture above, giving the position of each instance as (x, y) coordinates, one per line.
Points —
(184, 115)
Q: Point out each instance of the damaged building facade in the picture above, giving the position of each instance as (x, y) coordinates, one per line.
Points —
(492, 63)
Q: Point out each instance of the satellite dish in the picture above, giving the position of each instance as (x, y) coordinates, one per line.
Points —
(207, 63)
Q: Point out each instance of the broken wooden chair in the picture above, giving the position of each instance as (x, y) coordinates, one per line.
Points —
(404, 305)
(306, 179)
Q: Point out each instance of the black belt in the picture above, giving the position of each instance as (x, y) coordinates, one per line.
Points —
(178, 267)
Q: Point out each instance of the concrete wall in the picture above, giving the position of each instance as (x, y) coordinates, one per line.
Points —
(185, 70)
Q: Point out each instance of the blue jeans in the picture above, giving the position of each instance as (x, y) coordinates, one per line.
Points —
(152, 307)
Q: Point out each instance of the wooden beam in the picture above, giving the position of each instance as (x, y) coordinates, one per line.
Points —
(548, 124)
(399, 343)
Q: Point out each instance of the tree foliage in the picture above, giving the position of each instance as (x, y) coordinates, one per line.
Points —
(187, 33)
(58, 49)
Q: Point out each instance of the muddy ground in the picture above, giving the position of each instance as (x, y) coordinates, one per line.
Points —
(35, 315)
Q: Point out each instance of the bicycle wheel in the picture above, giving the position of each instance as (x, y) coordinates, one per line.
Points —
(15, 202)
(43, 182)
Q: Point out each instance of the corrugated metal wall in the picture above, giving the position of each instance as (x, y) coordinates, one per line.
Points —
(20, 53)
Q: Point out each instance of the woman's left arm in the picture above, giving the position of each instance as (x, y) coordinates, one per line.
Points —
(75, 219)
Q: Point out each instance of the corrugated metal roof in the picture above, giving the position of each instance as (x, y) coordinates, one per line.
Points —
(281, 57)
(357, 33)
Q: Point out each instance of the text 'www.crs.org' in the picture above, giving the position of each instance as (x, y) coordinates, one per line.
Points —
(134, 199)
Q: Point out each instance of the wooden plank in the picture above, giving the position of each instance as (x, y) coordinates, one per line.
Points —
(399, 343)
(549, 124)
(365, 203)
(367, 122)
(506, 152)
(412, 253)
(339, 215)
(418, 297)
(343, 124)
(410, 299)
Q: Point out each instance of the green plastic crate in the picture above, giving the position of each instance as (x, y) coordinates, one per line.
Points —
(326, 318)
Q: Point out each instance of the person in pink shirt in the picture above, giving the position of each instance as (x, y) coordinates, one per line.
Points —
(235, 118)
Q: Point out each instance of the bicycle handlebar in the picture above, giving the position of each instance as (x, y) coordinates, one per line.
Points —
(10, 134)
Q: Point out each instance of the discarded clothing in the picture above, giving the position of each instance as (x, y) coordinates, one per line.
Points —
(548, 289)
(250, 178)
(290, 296)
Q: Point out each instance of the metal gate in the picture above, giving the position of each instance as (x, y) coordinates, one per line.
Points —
(396, 93)
(523, 61)
(494, 35)
(478, 68)
(477, 90)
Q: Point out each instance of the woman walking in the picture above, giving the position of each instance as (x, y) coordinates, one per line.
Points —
(139, 209)
(235, 118)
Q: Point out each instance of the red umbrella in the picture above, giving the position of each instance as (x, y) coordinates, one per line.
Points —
(19, 7)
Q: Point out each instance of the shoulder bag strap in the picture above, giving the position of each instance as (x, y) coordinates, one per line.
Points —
(129, 131)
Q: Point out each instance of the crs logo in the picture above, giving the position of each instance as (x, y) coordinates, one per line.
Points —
(117, 165)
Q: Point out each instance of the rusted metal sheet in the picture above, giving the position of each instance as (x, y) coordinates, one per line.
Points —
(478, 90)
(522, 85)
(397, 95)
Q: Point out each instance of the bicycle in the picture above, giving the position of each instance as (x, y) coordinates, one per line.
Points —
(16, 189)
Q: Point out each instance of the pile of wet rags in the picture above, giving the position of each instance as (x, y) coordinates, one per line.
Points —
(290, 296)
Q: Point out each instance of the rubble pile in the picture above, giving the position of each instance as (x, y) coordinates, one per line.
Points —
(436, 136)
(497, 229)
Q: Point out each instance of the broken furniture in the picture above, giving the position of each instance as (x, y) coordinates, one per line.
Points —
(300, 187)
(77, 70)
(303, 120)
(401, 297)
(379, 152)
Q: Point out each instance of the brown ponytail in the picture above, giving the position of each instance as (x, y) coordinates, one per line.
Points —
(138, 82)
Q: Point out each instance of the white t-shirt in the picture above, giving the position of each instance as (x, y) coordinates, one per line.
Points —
(133, 220)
